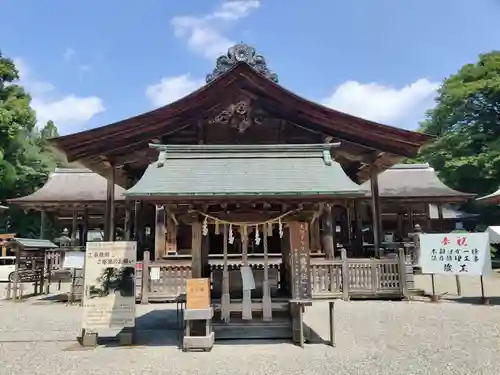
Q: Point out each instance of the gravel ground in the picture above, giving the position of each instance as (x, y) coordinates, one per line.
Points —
(373, 337)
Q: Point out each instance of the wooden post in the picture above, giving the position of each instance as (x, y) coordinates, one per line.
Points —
(411, 221)
(128, 220)
(226, 297)
(43, 219)
(160, 244)
(196, 261)
(402, 273)
(345, 274)
(327, 235)
(85, 227)
(400, 229)
(315, 236)
(145, 278)
(376, 213)
(427, 223)
(332, 322)
(349, 216)
(267, 310)
(440, 217)
(74, 227)
(247, 294)
(111, 198)
(359, 223)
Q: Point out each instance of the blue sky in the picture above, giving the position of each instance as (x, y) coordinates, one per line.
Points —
(88, 63)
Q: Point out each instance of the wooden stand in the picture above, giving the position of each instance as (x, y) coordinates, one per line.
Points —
(297, 308)
(205, 342)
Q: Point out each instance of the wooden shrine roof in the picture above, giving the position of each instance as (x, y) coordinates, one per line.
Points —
(415, 181)
(365, 145)
(245, 171)
(77, 187)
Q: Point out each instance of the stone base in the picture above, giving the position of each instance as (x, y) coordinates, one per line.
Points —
(126, 338)
(88, 339)
(204, 343)
(434, 298)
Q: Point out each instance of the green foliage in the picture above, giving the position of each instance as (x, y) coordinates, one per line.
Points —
(466, 124)
(25, 158)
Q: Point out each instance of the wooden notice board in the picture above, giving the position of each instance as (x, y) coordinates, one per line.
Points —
(198, 294)
(300, 260)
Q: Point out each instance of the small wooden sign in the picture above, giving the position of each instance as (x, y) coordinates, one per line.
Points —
(300, 260)
(198, 294)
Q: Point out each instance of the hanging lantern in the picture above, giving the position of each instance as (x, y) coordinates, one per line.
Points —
(257, 235)
(204, 229)
(231, 235)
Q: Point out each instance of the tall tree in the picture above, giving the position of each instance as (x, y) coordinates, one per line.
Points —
(24, 164)
(466, 122)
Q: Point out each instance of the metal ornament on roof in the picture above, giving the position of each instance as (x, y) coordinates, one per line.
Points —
(241, 53)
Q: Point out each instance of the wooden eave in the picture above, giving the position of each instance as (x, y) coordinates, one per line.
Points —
(384, 145)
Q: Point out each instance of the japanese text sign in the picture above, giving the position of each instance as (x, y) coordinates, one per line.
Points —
(109, 297)
(198, 294)
(455, 253)
(300, 261)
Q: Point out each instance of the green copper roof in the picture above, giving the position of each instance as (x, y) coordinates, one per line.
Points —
(244, 170)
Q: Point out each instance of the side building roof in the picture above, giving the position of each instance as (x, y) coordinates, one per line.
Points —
(76, 186)
(415, 181)
(205, 171)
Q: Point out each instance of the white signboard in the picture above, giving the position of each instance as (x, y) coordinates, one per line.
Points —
(109, 298)
(247, 278)
(154, 273)
(455, 254)
(74, 259)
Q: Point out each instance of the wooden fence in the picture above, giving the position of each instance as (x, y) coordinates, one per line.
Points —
(366, 278)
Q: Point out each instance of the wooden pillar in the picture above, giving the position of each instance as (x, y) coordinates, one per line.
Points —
(127, 226)
(43, 219)
(411, 221)
(247, 294)
(139, 225)
(74, 227)
(85, 227)
(359, 223)
(327, 232)
(315, 236)
(226, 297)
(267, 310)
(171, 241)
(196, 261)
(349, 216)
(427, 222)
(376, 213)
(205, 251)
(111, 198)
(440, 217)
(400, 225)
(160, 250)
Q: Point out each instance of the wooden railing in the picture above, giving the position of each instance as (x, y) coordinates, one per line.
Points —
(366, 278)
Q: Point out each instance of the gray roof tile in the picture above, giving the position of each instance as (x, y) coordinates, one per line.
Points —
(413, 181)
(245, 170)
(71, 185)
(34, 243)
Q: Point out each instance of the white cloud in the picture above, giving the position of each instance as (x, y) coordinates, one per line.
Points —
(205, 34)
(170, 89)
(68, 55)
(402, 107)
(69, 112)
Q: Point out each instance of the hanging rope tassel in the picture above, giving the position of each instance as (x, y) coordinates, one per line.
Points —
(204, 229)
(231, 235)
(257, 235)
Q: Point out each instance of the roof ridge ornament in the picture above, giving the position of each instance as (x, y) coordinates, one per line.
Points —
(241, 52)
